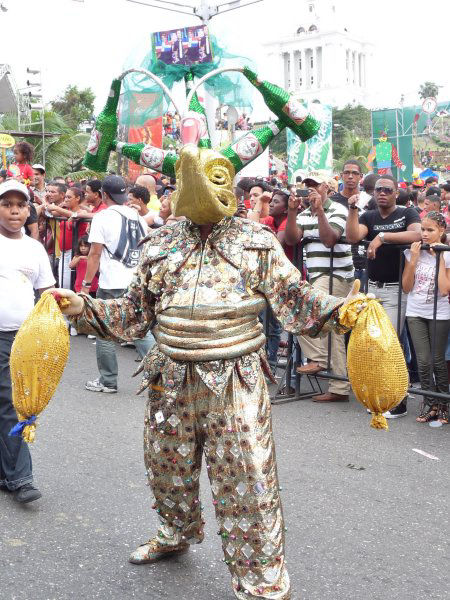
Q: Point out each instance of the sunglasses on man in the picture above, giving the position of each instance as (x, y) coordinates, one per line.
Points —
(385, 189)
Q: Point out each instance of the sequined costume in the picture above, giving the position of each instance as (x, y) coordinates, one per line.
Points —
(207, 390)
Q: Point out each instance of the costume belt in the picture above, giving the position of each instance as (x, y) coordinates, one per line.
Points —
(203, 333)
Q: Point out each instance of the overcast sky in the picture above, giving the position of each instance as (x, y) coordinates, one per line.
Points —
(86, 43)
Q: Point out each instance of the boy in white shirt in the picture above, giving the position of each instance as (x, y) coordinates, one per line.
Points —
(24, 267)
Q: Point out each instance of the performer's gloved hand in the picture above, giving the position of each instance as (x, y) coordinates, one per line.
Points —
(353, 292)
(76, 305)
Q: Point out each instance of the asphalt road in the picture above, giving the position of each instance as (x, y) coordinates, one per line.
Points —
(367, 516)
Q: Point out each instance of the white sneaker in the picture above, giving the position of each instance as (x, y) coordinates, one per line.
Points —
(91, 337)
(73, 331)
(96, 386)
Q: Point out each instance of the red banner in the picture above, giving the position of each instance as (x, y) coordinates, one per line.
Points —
(151, 132)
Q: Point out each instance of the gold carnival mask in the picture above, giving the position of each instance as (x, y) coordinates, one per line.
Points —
(204, 191)
(204, 176)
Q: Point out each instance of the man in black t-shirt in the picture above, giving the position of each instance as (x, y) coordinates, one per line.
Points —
(388, 224)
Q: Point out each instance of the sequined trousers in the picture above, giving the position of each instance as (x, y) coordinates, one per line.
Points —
(234, 431)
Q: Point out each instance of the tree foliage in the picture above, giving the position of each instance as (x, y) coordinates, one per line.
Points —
(75, 105)
(429, 89)
(354, 120)
(279, 145)
(63, 153)
(352, 147)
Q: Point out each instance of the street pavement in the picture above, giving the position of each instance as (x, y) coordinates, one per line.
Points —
(366, 516)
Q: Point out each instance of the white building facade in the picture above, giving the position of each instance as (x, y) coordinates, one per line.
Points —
(320, 59)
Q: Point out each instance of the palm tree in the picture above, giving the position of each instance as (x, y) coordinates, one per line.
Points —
(429, 89)
(63, 153)
(353, 147)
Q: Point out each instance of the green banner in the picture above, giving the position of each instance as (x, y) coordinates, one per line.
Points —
(316, 153)
(410, 133)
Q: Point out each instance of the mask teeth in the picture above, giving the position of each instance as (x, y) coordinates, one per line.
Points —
(195, 106)
(250, 146)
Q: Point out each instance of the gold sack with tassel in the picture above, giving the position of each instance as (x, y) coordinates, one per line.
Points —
(38, 357)
(375, 361)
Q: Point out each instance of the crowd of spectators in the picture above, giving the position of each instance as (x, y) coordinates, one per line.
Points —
(368, 224)
(358, 221)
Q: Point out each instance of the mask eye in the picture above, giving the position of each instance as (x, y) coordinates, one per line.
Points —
(218, 177)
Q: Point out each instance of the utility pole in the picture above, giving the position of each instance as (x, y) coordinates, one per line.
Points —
(37, 95)
(203, 11)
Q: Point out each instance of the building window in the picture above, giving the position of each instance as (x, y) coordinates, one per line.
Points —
(312, 61)
(313, 28)
(300, 81)
(300, 63)
(311, 8)
(312, 80)
(301, 30)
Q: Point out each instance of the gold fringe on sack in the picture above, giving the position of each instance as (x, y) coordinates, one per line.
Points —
(38, 357)
(375, 361)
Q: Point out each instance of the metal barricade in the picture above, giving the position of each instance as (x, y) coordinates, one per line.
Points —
(293, 346)
(60, 263)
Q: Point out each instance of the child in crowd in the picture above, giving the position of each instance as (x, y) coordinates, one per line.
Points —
(24, 267)
(79, 262)
(21, 168)
(419, 281)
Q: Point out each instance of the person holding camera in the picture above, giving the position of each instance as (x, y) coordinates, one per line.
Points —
(324, 220)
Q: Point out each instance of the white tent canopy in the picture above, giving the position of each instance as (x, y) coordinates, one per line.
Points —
(8, 94)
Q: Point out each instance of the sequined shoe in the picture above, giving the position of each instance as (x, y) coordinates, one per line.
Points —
(153, 551)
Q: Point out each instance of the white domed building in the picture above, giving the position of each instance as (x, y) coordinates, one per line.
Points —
(320, 58)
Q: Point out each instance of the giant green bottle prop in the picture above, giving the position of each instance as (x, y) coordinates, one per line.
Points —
(148, 156)
(291, 112)
(251, 145)
(196, 106)
(103, 135)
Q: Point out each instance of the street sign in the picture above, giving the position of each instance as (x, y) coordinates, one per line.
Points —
(429, 105)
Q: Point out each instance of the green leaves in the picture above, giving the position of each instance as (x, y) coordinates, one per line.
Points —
(75, 105)
(429, 89)
(63, 153)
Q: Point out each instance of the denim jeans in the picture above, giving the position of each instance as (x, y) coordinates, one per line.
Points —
(420, 330)
(389, 301)
(106, 350)
(273, 337)
(15, 458)
(363, 276)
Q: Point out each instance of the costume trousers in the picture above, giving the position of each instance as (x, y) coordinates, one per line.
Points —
(15, 458)
(316, 349)
(234, 432)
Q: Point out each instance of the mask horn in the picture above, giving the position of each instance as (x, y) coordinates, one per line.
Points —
(194, 124)
(288, 110)
(251, 145)
(102, 140)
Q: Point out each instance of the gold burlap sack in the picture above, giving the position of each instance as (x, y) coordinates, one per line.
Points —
(375, 361)
(38, 357)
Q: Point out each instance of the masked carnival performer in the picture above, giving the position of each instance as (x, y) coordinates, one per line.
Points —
(204, 281)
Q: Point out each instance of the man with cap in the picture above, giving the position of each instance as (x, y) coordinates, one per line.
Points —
(39, 183)
(24, 267)
(324, 220)
(114, 236)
